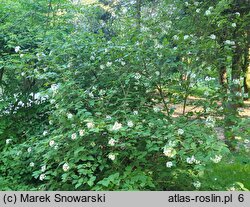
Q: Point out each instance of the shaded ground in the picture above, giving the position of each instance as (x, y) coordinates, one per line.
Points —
(192, 106)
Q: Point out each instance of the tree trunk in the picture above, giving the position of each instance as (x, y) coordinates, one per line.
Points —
(138, 14)
(236, 91)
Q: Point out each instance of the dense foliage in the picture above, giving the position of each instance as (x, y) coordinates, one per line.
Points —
(89, 90)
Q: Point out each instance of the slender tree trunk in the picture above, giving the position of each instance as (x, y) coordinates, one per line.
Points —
(236, 74)
(246, 70)
(246, 65)
(138, 14)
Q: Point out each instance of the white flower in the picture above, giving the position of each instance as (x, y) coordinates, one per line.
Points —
(51, 143)
(42, 177)
(169, 164)
(236, 81)
(207, 78)
(50, 122)
(102, 67)
(112, 142)
(130, 124)
(237, 13)
(43, 168)
(91, 95)
(21, 55)
(238, 138)
(198, 10)
(169, 152)
(92, 57)
(81, 132)
(54, 87)
(196, 3)
(212, 36)
(111, 156)
(137, 76)
(231, 189)
(191, 160)
(208, 12)
(245, 95)
(193, 75)
(40, 56)
(116, 126)
(22, 73)
(246, 141)
(108, 117)
(175, 37)
(238, 94)
(157, 73)
(8, 141)
(210, 122)
(17, 48)
(206, 93)
(156, 109)
(29, 149)
(73, 136)
(69, 115)
(135, 112)
(108, 64)
(175, 48)
(186, 37)
(234, 25)
(65, 167)
(123, 63)
(229, 42)
(32, 164)
(197, 184)
(216, 159)
(90, 125)
(172, 143)
(180, 131)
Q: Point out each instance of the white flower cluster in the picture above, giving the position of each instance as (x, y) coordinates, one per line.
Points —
(111, 156)
(216, 159)
(43, 168)
(169, 164)
(197, 184)
(210, 122)
(116, 126)
(236, 81)
(42, 177)
(8, 141)
(130, 123)
(180, 131)
(73, 136)
(81, 132)
(209, 11)
(65, 167)
(212, 36)
(51, 143)
(17, 49)
(112, 142)
(137, 76)
(156, 109)
(192, 160)
(229, 42)
(169, 151)
(108, 64)
(90, 125)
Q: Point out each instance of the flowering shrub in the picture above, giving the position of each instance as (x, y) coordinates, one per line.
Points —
(94, 110)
